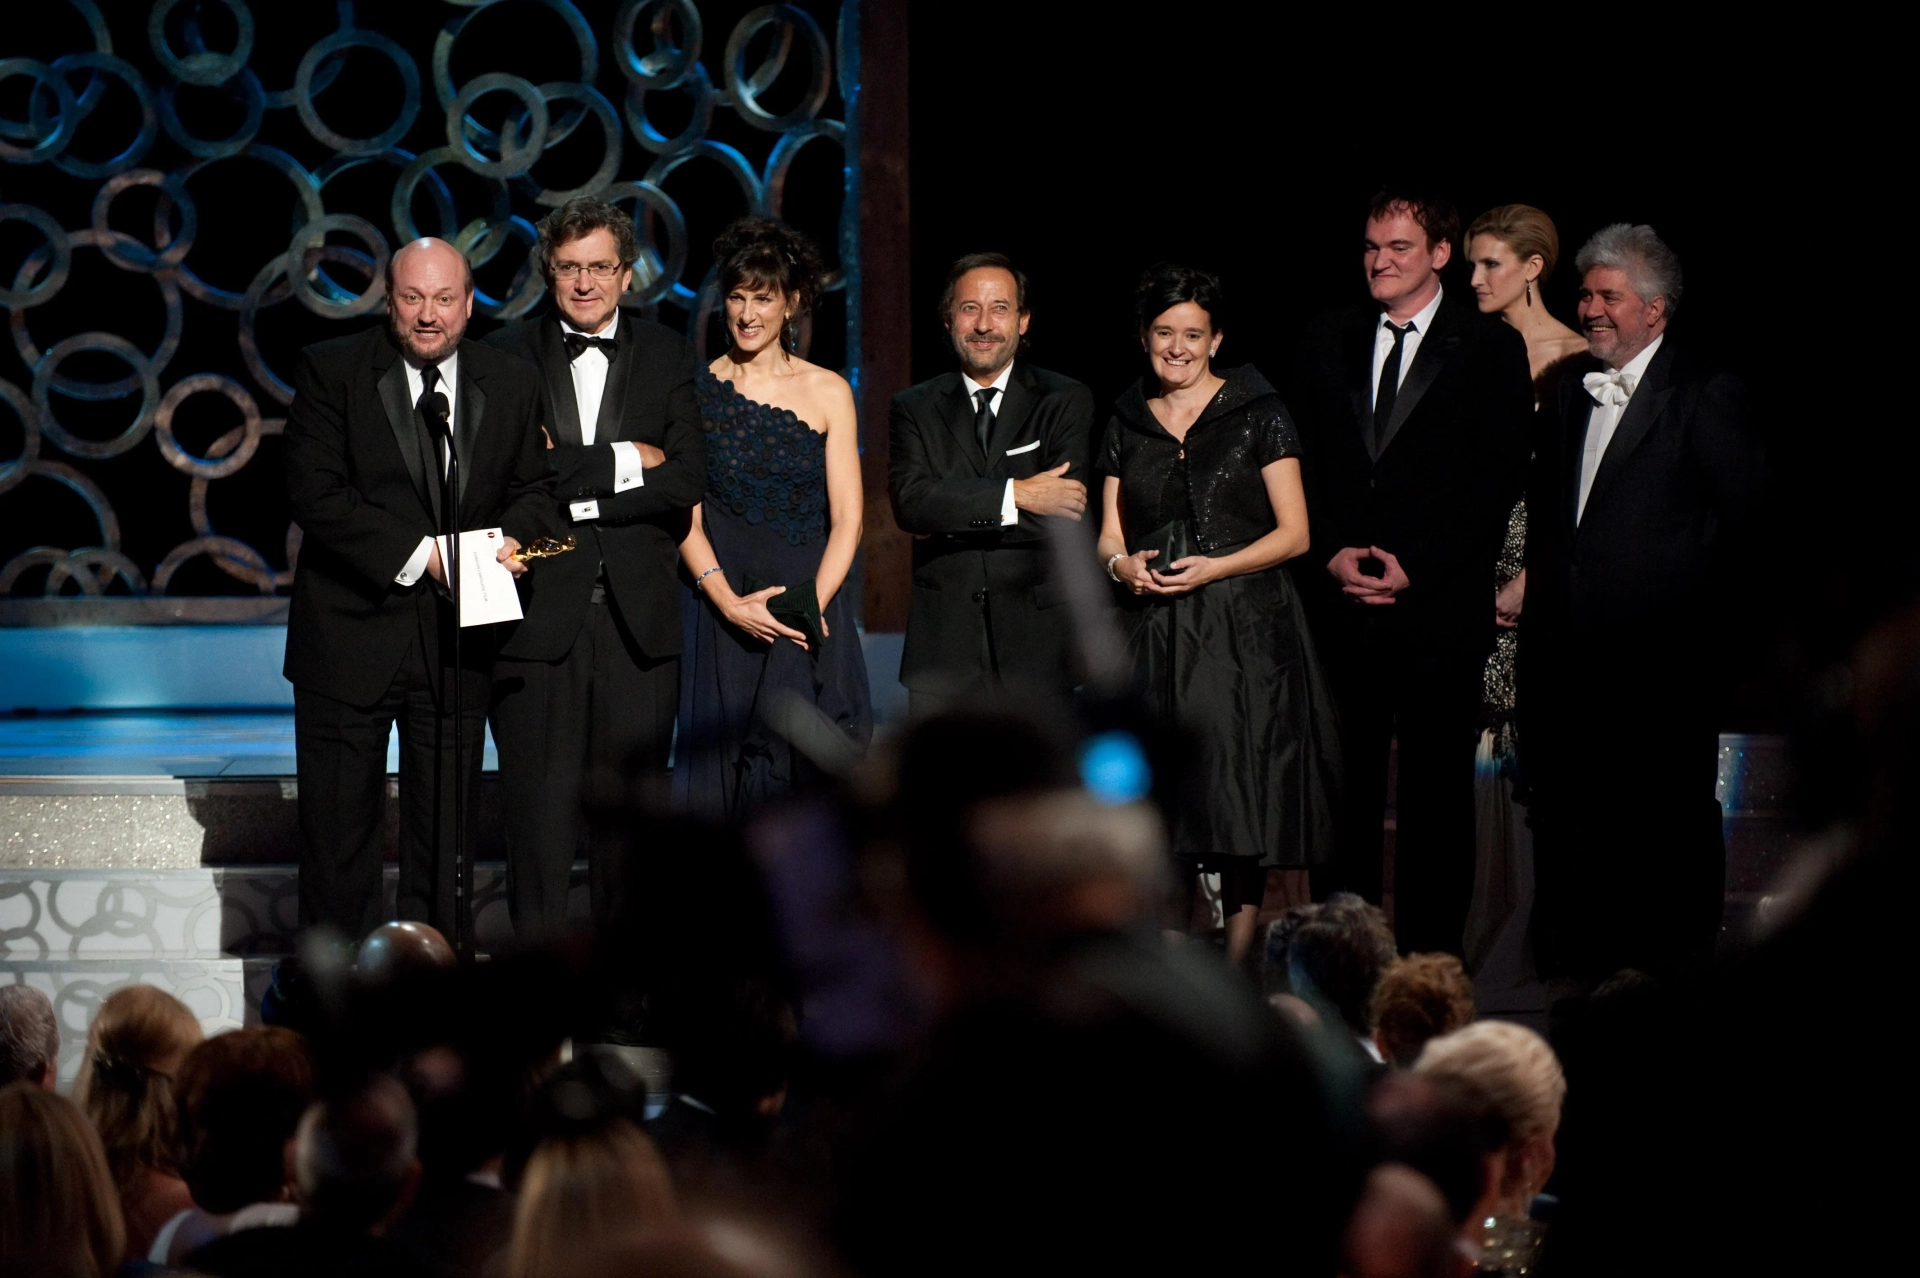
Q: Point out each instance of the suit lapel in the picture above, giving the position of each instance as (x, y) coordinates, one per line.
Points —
(957, 408)
(1435, 349)
(1015, 407)
(1643, 410)
(613, 398)
(466, 426)
(563, 413)
(1579, 417)
(1359, 343)
(406, 431)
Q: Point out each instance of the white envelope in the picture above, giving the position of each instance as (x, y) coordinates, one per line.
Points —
(487, 593)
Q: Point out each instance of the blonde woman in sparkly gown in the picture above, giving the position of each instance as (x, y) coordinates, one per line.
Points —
(1512, 249)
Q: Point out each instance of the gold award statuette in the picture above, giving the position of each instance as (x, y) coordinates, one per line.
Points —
(545, 548)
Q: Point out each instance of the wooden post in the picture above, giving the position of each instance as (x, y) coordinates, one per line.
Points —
(879, 119)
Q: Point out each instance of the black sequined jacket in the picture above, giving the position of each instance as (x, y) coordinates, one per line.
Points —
(1213, 480)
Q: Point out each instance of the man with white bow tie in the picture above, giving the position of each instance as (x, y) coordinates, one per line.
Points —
(1646, 475)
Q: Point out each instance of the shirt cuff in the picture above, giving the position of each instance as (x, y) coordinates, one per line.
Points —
(583, 511)
(416, 566)
(626, 466)
(1009, 513)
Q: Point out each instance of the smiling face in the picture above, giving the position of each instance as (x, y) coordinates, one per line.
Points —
(1181, 343)
(1500, 278)
(588, 301)
(1618, 323)
(986, 323)
(431, 300)
(1403, 265)
(756, 316)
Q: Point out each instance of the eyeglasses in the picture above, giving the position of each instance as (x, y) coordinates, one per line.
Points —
(598, 270)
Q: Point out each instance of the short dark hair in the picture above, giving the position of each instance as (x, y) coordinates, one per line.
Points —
(976, 262)
(1166, 285)
(1337, 956)
(584, 216)
(1436, 216)
(765, 251)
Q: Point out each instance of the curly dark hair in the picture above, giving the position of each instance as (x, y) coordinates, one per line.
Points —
(1166, 285)
(581, 217)
(765, 252)
(1420, 997)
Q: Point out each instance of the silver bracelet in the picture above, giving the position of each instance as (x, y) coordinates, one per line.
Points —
(703, 576)
(1111, 561)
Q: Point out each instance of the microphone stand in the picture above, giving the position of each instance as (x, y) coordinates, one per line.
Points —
(450, 512)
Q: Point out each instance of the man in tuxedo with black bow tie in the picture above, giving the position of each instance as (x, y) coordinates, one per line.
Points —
(587, 685)
(1414, 414)
(1649, 473)
(981, 461)
(370, 634)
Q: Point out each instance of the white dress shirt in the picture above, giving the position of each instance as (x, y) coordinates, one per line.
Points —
(1409, 345)
(1009, 513)
(449, 368)
(589, 388)
(1604, 420)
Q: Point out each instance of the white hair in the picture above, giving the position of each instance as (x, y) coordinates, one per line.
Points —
(1508, 1065)
(29, 1033)
(1652, 269)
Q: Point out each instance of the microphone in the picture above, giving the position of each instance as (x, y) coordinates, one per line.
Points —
(437, 410)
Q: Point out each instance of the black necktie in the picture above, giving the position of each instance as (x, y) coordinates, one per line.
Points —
(429, 414)
(579, 343)
(1389, 389)
(983, 416)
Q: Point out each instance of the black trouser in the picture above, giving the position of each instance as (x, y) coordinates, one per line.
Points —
(1429, 702)
(602, 711)
(341, 752)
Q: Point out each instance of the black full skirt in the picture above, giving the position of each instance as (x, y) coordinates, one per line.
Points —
(1234, 665)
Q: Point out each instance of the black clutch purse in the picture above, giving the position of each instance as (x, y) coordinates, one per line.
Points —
(1172, 540)
(797, 606)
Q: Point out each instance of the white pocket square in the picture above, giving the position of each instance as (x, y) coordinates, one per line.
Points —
(1024, 448)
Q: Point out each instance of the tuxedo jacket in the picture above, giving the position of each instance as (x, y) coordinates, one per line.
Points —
(948, 494)
(1437, 492)
(364, 492)
(636, 538)
(1682, 474)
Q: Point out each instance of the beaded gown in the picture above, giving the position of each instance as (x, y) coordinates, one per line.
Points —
(1232, 661)
(766, 516)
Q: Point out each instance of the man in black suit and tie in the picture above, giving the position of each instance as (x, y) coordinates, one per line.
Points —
(981, 461)
(1414, 416)
(1649, 471)
(587, 685)
(370, 634)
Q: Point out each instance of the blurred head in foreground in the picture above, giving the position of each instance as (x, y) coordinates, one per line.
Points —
(59, 1214)
(354, 1158)
(239, 1097)
(1399, 1229)
(29, 1037)
(583, 1192)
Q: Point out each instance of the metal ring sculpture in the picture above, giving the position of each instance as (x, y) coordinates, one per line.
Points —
(776, 53)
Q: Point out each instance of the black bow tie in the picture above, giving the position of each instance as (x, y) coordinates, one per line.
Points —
(579, 343)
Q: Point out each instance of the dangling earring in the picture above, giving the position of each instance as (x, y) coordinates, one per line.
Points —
(1529, 292)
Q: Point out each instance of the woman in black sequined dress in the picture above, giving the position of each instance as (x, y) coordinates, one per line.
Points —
(782, 513)
(1218, 639)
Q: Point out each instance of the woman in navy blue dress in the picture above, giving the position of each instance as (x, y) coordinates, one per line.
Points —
(782, 513)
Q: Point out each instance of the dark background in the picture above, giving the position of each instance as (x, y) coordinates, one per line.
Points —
(1249, 145)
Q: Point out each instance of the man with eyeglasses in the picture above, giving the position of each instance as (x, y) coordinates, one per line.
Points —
(587, 684)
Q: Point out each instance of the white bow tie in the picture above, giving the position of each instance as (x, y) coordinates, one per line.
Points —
(1612, 388)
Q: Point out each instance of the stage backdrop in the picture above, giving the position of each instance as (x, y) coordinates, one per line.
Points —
(193, 190)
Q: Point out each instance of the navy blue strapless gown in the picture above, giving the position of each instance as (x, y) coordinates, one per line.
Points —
(766, 515)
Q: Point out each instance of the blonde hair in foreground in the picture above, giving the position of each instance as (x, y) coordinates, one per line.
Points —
(59, 1214)
(581, 1191)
